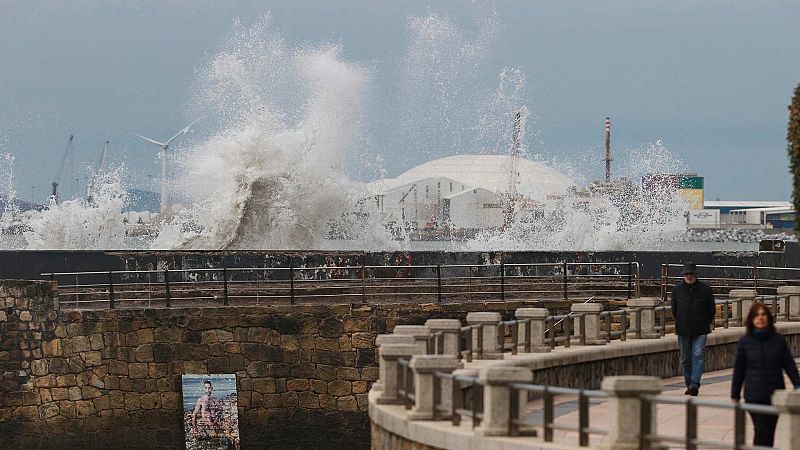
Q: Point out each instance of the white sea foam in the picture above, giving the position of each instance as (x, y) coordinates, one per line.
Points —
(284, 123)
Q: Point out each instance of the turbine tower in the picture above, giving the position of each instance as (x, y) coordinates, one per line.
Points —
(164, 147)
(608, 149)
(100, 169)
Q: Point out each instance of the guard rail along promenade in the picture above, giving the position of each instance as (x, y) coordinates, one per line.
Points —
(443, 385)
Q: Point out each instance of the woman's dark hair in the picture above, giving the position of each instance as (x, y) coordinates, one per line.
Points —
(754, 310)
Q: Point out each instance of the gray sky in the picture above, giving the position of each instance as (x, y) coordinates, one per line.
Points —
(712, 79)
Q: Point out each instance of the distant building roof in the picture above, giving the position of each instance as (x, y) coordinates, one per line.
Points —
(725, 204)
(490, 172)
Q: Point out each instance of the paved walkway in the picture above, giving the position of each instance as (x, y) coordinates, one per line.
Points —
(713, 424)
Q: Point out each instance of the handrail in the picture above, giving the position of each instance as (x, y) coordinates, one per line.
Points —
(461, 282)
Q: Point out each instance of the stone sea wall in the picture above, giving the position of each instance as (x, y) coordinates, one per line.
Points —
(112, 378)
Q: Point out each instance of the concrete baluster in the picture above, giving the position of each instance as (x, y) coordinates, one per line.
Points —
(451, 334)
(488, 321)
(388, 339)
(790, 302)
(747, 297)
(497, 398)
(625, 409)
(388, 356)
(425, 368)
(420, 333)
(788, 404)
(537, 317)
(646, 307)
(591, 320)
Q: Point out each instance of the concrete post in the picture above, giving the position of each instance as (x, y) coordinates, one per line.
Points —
(451, 334)
(591, 320)
(790, 301)
(389, 354)
(387, 339)
(625, 409)
(646, 307)
(420, 334)
(424, 368)
(788, 404)
(537, 317)
(747, 296)
(497, 397)
(489, 322)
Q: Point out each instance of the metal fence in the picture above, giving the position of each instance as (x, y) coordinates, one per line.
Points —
(270, 285)
(765, 280)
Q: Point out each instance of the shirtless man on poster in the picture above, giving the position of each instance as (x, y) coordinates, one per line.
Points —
(209, 409)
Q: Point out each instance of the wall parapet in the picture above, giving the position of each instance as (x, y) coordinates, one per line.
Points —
(482, 401)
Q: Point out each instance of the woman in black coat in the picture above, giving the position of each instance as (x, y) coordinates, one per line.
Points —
(761, 357)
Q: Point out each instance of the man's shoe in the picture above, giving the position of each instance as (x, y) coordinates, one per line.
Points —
(687, 391)
(694, 392)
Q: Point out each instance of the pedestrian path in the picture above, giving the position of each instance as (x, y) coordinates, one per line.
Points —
(713, 424)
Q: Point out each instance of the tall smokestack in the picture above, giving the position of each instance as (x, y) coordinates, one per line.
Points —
(608, 149)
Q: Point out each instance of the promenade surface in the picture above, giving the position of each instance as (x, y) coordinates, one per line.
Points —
(713, 423)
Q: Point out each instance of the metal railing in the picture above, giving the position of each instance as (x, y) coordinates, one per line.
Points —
(467, 401)
(765, 280)
(268, 285)
(650, 439)
(731, 311)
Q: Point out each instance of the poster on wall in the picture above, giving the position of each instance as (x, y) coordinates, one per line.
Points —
(210, 412)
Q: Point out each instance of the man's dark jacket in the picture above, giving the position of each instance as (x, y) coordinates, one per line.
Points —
(693, 308)
(761, 359)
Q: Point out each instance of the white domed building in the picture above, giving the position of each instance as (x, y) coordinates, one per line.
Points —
(467, 191)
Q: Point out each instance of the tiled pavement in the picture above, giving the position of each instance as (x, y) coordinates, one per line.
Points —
(713, 423)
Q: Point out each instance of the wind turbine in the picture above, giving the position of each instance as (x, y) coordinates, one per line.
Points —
(164, 147)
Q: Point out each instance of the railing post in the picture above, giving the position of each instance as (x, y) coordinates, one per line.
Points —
(363, 284)
(664, 281)
(439, 283)
(788, 404)
(647, 318)
(110, 290)
(564, 269)
(790, 302)
(225, 286)
(487, 326)
(533, 342)
(425, 368)
(388, 356)
(167, 295)
(630, 279)
(497, 398)
(457, 388)
(502, 281)
(450, 329)
(745, 297)
(389, 339)
(420, 334)
(625, 410)
(291, 283)
(590, 318)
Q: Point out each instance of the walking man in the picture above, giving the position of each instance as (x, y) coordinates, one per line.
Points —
(694, 310)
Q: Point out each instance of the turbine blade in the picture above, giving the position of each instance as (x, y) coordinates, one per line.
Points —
(183, 130)
(160, 144)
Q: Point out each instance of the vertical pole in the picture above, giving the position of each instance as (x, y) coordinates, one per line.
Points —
(691, 426)
(502, 281)
(110, 290)
(439, 283)
(167, 295)
(291, 283)
(455, 404)
(225, 286)
(645, 424)
(583, 419)
(755, 277)
(363, 284)
(664, 273)
(548, 416)
(564, 268)
(630, 279)
(738, 428)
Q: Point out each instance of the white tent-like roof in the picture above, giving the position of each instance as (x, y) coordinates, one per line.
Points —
(490, 172)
